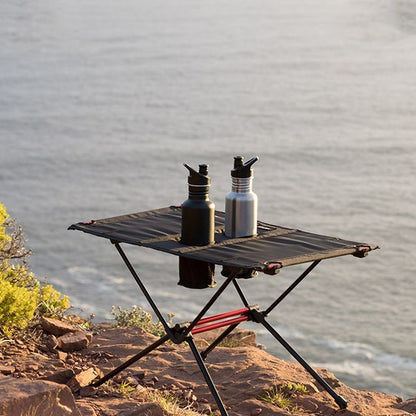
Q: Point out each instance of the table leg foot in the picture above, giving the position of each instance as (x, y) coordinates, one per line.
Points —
(341, 402)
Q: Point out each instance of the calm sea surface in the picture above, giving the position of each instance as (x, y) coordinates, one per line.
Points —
(102, 101)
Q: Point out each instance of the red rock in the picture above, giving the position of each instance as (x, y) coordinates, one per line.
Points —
(35, 398)
(31, 367)
(73, 341)
(61, 355)
(152, 409)
(7, 369)
(86, 410)
(56, 327)
(408, 405)
(205, 409)
(60, 377)
(51, 343)
(241, 375)
(140, 388)
(83, 379)
(132, 381)
(189, 396)
(87, 391)
(140, 374)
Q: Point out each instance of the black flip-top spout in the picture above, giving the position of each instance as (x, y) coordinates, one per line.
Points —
(243, 170)
(198, 178)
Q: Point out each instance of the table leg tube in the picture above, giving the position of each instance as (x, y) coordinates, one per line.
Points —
(144, 290)
(207, 377)
(205, 353)
(291, 287)
(132, 360)
(341, 402)
(208, 305)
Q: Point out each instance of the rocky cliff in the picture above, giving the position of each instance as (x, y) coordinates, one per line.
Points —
(47, 372)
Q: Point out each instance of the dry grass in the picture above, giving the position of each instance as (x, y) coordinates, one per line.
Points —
(283, 396)
(169, 403)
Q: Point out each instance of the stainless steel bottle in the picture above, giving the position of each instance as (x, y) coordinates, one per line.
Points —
(241, 202)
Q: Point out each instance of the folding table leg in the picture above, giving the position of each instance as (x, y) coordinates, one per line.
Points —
(209, 304)
(144, 290)
(207, 377)
(342, 403)
(132, 360)
(291, 287)
(205, 353)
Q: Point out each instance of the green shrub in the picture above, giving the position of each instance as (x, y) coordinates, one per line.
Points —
(136, 316)
(50, 302)
(17, 306)
(4, 238)
(18, 275)
(21, 296)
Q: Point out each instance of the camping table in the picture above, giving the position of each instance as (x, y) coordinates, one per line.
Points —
(273, 248)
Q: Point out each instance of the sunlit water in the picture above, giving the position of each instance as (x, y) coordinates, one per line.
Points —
(101, 102)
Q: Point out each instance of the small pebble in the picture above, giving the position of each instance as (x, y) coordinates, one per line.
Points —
(132, 381)
(87, 391)
(205, 409)
(140, 388)
(31, 367)
(140, 374)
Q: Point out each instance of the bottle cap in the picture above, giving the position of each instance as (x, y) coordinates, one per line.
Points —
(243, 170)
(198, 178)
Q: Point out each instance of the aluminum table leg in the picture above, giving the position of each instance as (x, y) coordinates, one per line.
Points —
(132, 360)
(342, 403)
(207, 377)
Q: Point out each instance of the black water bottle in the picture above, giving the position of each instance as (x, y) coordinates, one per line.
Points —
(198, 223)
(198, 211)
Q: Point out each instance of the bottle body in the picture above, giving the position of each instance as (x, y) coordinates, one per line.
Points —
(198, 219)
(241, 209)
(198, 225)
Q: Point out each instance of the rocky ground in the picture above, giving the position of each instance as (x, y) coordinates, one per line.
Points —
(61, 361)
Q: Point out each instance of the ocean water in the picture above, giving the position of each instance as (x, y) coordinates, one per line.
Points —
(101, 102)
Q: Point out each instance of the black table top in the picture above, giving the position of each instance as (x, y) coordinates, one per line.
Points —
(273, 247)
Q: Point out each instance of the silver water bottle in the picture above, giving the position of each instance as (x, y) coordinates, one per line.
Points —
(241, 202)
